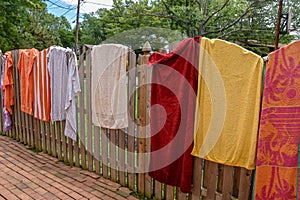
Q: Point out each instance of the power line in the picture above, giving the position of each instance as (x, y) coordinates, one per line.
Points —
(60, 6)
(73, 8)
(53, 4)
(100, 4)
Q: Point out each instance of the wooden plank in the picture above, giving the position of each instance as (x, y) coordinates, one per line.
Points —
(142, 98)
(227, 182)
(44, 143)
(64, 141)
(220, 178)
(210, 178)
(197, 179)
(23, 127)
(112, 149)
(82, 110)
(121, 157)
(48, 137)
(76, 143)
(97, 156)
(76, 154)
(58, 141)
(31, 128)
(39, 135)
(236, 181)
(32, 132)
(53, 139)
(148, 179)
(245, 184)
(169, 192)
(89, 110)
(104, 136)
(70, 148)
(17, 88)
(180, 195)
(35, 134)
(16, 112)
(157, 190)
(131, 125)
(27, 132)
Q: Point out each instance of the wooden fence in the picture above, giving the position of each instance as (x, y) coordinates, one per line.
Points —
(93, 153)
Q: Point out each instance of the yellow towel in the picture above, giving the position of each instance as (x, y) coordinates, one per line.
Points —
(228, 104)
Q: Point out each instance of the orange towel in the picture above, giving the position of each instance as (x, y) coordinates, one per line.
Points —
(8, 83)
(42, 98)
(25, 66)
(277, 153)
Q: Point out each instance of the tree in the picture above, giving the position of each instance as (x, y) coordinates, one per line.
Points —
(93, 30)
(27, 24)
(250, 23)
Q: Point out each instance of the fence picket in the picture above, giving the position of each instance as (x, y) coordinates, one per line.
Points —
(131, 147)
(82, 109)
(121, 157)
(70, 148)
(105, 138)
(53, 140)
(44, 143)
(210, 179)
(16, 115)
(112, 159)
(97, 156)
(59, 142)
(227, 182)
(245, 184)
(89, 110)
(169, 190)
(197, 179)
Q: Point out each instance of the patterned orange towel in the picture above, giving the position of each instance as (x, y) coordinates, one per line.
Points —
(277, 154)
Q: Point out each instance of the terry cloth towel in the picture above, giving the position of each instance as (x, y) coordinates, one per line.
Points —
(42, 95)
(278, 141)
(57, 66)
(73, 88)
(109, 90)
(228, 104)
(7, 122)
(25, 66)
(8, 83)
(173, 97)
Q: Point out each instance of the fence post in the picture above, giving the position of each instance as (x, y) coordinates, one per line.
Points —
(144, 180)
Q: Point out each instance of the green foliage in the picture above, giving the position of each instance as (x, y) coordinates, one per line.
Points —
(27, 24)
(250, 23)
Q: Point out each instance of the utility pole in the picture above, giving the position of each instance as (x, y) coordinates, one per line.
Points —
(77, 26)
(278, 24)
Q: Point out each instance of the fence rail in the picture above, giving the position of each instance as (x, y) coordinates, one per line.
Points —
(93, 152)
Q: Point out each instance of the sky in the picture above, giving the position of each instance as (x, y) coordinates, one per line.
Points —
(68, 8)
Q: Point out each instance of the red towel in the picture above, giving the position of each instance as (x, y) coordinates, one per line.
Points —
(173, 96)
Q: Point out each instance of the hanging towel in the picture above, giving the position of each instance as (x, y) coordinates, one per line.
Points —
(25, 66)
(8, 83)
(173, 97)
(7, 122)
(109, 91)
(278, 142)
(73, 88)
(228, 104)
(57, 66)
(42, 95)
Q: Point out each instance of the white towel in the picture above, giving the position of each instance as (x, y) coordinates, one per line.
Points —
(73, 88)
(109, 91)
